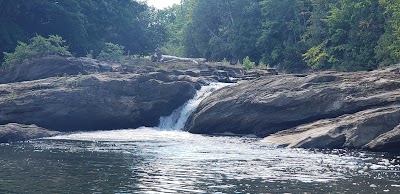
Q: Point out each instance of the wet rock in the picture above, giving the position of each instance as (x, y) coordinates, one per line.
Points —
(16, 132)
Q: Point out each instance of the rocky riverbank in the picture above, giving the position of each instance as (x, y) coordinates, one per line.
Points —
(317, 110)
(94, 102)
(82, 94)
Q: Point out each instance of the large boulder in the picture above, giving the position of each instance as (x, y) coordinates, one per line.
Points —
(375, 128)
(16, 132)
(52, 66)
(389, 141)
(270, 104)
(94, 102)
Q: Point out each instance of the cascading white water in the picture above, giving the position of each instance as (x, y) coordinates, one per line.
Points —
(177, 120)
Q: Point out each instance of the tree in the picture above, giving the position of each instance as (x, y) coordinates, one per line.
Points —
(37, 47)
(388, 49)
(283, 28)
(214, 29)
(85, 24)
(112, 53)
(354, 31)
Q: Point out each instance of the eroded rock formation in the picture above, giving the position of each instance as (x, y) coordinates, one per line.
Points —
(325, 109)
(93, 102)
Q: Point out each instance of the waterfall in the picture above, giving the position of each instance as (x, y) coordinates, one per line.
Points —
(178, 118)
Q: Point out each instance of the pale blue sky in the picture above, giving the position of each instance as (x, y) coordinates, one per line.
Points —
(161, 4)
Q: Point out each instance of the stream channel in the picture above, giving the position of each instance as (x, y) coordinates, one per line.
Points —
(165, 159)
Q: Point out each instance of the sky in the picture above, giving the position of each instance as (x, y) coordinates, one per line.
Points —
(161, 4)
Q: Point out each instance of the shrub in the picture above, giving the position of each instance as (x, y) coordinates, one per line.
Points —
(112, 53)
(37, 47)
(248, 64)
(225, 62)
(90, 54)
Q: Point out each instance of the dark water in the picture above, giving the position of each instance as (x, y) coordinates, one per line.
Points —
(151, 161)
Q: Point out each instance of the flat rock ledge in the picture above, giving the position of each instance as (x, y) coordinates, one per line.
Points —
(375, 129)
(14, 132)
(316, 110)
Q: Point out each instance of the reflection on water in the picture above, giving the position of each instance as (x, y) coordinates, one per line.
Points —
(150, 161)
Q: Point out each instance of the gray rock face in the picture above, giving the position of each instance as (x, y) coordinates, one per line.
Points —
(389, 141)
(93, 102)
(364, 129)
(16, 132)
(270, 104)
(51, 66)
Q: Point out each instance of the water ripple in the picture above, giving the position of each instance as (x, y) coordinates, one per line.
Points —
(152, 161)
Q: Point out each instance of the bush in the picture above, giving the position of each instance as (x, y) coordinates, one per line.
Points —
(248, 64)
(38, 47)
(112, 53)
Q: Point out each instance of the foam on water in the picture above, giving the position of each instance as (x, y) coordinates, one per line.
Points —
(180, 160)
(177, 120)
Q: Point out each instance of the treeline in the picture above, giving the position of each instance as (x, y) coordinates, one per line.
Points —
(86, 25)
(293, 35)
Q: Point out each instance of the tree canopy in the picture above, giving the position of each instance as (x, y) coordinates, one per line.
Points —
(86, 25)
(292, 35)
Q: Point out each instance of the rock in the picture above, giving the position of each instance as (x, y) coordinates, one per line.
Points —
(274, 103)
(232, 71)
(272, 71)
(16, 132)
(389, 141)
(94, 102)
(169, 58)
(348, 131)
(52, 66)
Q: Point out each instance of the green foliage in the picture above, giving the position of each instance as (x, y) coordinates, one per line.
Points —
(290, 35)
(316, 57)
(112, 53)
(161, 68)
(225, 62)
(283, 28)
(248, 64)
(13, 95)
(388, 49)
(38, 47)
(90, 54)
(353, 31)
(213, 29)
(85, 24)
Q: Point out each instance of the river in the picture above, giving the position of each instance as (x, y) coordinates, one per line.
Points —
(165, 159)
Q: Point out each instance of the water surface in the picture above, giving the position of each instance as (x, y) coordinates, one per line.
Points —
(146, 160)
